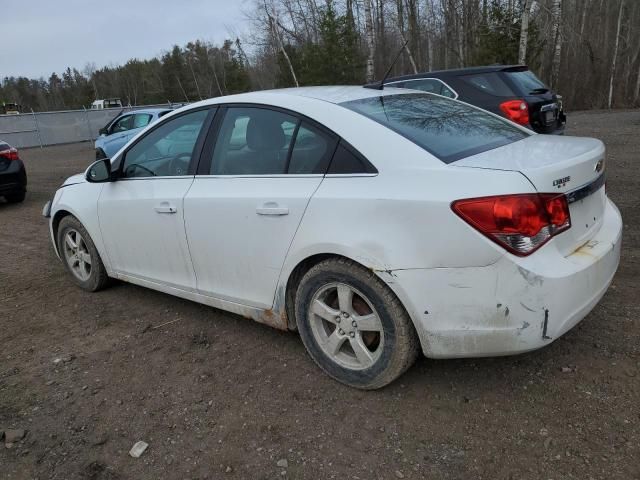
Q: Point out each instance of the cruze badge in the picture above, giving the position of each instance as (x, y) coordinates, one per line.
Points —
(561, 182)
(599, 166)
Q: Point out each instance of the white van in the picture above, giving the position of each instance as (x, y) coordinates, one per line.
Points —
(106, 103)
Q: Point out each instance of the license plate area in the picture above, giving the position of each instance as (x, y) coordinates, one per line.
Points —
(549, 113)
(550, 116)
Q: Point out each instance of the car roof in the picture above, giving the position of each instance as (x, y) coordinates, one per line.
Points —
(454, 72)
(330, 94)
(147, 110)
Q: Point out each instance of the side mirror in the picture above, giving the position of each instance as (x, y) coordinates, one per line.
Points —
(99, 171)
(104, 131)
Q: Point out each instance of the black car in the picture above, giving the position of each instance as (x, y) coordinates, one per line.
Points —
(13, 176)
(512, 91)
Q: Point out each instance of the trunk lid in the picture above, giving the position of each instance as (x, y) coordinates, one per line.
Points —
(573, 166)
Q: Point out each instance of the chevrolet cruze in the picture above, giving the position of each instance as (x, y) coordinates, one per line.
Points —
(377, 223)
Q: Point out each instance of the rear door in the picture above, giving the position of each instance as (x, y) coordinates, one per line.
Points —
(257, 173)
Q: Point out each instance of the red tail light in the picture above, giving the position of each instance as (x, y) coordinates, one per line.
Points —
(520, 223)
(11, 154)
(516, 111)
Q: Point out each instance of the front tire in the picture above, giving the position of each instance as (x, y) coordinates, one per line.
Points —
(80, 256)
(353, 326)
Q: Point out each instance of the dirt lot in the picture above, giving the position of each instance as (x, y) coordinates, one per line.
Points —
(217, 396)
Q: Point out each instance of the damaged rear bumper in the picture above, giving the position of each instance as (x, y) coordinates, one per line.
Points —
(514, 305)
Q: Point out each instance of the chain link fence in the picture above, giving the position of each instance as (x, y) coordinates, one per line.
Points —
(53, 128)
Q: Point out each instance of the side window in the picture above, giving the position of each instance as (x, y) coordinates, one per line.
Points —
(347, 160)
(167, 150)
(141, 120)
(253, 141)
(123, 124)
(311, 151)
(426, 85)
(447, 92)
(489, 83)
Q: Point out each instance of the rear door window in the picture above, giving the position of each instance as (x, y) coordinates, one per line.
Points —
(448, 129)
(311, 151)
(430, 85)
(253, 141)
(489, 83)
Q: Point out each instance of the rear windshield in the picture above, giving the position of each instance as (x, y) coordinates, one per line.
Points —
(448, 129)
(527, 82)
(489, 83)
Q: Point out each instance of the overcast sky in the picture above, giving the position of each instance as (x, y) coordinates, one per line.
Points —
(44, 36)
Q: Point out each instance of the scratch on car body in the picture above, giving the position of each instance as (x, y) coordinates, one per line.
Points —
(530, 277)
(526, 307)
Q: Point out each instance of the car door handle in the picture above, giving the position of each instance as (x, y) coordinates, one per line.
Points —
(165, 207)
(272, 208)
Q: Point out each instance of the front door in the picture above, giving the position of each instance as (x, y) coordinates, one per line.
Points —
(242, 212)
(142, 215)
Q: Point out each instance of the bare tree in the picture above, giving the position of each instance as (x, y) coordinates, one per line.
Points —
(556, 13)
(524, 30)
(274, 25)
(400, 12)
(615, 55)
(371, 46)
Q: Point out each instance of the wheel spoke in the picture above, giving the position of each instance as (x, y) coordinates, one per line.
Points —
(364, 356)
(368, 323)
(345, 298)
(334, 342)
(85, 257)
(324, 311)
(70, 241)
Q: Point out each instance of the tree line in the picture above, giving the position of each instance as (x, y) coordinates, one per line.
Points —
(586, 50)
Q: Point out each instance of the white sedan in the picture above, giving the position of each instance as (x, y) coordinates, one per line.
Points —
(376, 223)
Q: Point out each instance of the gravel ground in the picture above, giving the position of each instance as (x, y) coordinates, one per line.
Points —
(217, 396)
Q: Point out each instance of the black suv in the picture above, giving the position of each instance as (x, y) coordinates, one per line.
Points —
(512, 91)
(13, 176)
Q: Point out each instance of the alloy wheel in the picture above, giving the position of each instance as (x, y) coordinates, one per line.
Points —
(77, 255)
(346, 326)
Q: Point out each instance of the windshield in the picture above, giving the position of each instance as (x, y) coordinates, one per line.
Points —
(448, 129)
(527, 81)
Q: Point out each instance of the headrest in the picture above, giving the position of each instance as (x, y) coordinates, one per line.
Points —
(263, 133)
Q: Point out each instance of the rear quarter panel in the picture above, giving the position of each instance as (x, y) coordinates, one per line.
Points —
(400, 219)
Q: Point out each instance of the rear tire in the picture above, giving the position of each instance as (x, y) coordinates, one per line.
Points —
(15, 197)
(80, 256)
(353, 326)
